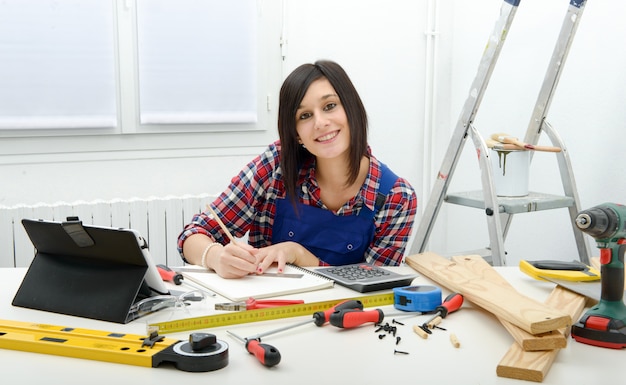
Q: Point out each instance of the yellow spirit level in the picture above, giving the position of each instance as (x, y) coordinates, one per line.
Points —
(202, 353)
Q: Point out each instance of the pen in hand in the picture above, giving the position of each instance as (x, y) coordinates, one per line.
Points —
(222, 225)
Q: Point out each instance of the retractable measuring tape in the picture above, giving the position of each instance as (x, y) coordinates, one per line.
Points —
(422, 298)
(257, 315)
(202, 353)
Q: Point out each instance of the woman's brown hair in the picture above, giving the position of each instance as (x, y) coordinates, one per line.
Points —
(291, 94)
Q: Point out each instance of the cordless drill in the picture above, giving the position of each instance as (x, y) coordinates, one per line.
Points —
(605, 324)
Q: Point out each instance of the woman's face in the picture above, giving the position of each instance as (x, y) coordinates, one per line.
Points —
(321, 121)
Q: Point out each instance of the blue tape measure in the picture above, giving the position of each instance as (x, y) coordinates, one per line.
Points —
(422, 298)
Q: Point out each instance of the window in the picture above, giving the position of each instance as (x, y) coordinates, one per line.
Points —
(197, 67)
(144, 66)
(57, 65)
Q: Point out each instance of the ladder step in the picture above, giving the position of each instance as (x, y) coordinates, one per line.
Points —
(514, 205)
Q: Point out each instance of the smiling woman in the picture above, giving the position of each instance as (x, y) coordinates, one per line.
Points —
(323, 129)
(317, 196)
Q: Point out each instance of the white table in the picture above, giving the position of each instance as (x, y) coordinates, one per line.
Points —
(320, 355)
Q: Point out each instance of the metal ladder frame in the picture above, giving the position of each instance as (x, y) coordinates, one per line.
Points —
(538, 123)
(499, 213)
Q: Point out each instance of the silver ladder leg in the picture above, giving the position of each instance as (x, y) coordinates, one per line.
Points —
(569, 188)
(459, 136)
(551, 79)
(538, 123)
(498, 221)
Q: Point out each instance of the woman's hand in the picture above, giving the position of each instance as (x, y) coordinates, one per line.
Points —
(235, 260)
(282, 254)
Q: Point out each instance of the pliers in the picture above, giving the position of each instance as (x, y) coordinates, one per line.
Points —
(251, 304)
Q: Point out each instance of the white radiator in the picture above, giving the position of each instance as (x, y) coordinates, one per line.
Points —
(159, 220)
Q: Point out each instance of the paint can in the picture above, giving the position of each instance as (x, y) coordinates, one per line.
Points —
(510, 172)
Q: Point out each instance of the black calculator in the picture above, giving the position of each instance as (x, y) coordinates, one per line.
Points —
(364, 277)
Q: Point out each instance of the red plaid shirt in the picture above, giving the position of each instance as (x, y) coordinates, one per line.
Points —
(248, 205)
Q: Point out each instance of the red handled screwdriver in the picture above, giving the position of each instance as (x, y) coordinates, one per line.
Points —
(320, 318)
(450, 304)
(350, 318)
(169, 275)
(266, 354)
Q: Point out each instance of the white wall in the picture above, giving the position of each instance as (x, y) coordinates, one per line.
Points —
(383, 46)
(587, 110)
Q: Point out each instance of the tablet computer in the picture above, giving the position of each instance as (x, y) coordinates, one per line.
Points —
(88, 271)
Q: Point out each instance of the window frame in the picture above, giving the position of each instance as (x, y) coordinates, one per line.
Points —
(19, 142)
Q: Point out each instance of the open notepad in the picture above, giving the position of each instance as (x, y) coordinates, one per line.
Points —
(258, 286)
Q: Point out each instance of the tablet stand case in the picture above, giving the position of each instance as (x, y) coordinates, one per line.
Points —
(83, 271)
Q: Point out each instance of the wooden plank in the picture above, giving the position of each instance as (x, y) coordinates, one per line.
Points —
(534, 366)
(528, 342)
(522, 311)
(528, 366)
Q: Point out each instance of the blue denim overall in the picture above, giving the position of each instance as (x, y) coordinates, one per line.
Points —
(336, 240)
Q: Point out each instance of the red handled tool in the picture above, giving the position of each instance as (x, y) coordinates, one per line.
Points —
(351, 318)
(450, 304)
(320, 318)
(252, 303)
(269, 355)
(169, 275)
(266, 354)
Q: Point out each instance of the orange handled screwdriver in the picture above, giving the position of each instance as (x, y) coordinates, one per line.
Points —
(450, 304)
(266, 354)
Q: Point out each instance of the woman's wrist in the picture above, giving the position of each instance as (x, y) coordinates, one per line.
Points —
(205, 254)
(304, 257)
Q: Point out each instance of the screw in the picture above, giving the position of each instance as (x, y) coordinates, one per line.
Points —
(425, 328)
(393, 321)
(438, 327)
(398, 340)
(381, 336)
(399, 352)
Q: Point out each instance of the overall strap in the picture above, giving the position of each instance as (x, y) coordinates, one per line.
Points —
(387, 180)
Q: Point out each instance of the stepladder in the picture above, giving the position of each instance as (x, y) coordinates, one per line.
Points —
(499, 210)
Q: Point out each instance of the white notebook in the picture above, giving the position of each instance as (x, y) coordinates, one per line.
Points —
(258, 286)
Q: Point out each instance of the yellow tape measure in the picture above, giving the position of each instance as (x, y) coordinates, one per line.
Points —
(257, 315)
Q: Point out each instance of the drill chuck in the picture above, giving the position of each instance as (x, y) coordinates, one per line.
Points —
(601, 222)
